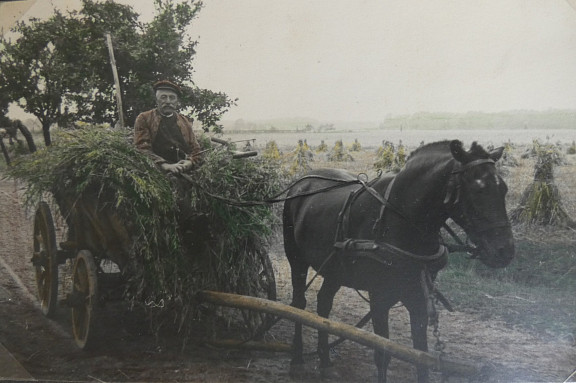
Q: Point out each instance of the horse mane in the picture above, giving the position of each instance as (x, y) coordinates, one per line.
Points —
(432, 147)
(439, 152)
(440, 147)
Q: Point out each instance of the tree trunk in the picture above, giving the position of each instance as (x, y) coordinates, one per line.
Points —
(28, 136)
(5, 151)
(46, 133)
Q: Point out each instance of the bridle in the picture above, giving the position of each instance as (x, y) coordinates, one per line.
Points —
(453, 197)
(455, 181)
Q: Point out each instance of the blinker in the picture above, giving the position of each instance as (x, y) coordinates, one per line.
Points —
(454, 182)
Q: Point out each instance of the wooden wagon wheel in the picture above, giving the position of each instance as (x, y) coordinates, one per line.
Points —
(45, 260)
(83, 298)
(264, 287)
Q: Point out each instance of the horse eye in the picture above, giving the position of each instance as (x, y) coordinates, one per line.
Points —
(480, 183)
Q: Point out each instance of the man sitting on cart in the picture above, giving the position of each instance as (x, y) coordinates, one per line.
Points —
(167, 137)
(164, 134)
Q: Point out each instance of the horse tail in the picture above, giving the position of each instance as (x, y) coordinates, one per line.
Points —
(298, 265)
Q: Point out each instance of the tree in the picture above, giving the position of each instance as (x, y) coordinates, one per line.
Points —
(33, 71)
(167, 52)
(145, 53)
(58, 68)
(91, 94)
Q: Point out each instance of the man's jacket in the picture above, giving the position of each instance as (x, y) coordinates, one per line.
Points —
(146, 128)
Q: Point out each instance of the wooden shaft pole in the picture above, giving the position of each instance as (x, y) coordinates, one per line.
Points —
(116, 79)
(450, 366)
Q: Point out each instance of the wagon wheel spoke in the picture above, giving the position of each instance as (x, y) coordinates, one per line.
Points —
(44, 259)
(83, 298)
(263, 285)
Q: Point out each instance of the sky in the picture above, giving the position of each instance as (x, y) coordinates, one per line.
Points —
(365, 59)
(362, 60)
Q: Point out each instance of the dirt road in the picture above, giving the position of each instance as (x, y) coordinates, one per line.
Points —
(127, 351)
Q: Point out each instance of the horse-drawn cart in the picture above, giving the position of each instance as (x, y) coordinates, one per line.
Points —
(96, 233)
(100, 233)
(97, 248)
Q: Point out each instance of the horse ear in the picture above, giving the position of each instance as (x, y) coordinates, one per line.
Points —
(496, 154)
(458, 151)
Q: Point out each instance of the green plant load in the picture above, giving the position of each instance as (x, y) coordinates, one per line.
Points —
(219, 245)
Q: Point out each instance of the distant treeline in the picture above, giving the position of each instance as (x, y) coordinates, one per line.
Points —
(520, 119)
(553, 119)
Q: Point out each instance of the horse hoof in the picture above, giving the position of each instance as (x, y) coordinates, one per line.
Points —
(329, 373)
(298, 371)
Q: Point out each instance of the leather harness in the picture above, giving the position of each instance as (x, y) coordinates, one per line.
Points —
(382, 251)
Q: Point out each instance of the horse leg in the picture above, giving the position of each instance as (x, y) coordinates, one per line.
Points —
(325, 301)
(380, 304)
(299, 275)
(299, 269)
(416, 306)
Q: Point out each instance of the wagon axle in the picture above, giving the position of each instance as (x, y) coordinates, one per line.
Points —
(39, 259)
(42, 258)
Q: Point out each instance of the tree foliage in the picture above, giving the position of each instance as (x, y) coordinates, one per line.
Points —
(58, 69)
(32, 71)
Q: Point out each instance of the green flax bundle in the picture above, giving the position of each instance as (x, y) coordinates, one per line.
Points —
(221, 247)
(541, 203)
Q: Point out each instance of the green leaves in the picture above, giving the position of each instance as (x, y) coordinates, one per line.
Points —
(58, 69)
(220, 245)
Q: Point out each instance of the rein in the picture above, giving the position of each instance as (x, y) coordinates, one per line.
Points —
(370, 248)
(276, 198)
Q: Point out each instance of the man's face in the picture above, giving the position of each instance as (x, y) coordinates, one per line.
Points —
(167, 101)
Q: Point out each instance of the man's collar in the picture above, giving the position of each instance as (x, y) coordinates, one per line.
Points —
(164, 115)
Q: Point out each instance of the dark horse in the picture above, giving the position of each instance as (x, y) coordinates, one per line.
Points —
(384, 236)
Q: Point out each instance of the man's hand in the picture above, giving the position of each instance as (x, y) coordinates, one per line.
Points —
(178, 167)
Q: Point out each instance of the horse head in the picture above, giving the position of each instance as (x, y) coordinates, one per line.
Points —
(476, 201)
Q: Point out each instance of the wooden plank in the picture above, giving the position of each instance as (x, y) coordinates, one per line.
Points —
(449, 366)
(116, 80)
